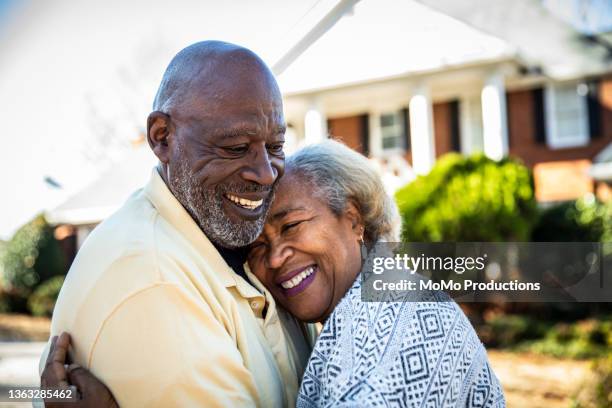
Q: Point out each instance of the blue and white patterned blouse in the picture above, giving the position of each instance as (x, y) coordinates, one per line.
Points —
(399, 354)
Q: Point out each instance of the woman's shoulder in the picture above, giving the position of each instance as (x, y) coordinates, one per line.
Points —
(371, 349)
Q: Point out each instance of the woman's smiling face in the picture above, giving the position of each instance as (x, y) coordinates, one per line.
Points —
(307, 256)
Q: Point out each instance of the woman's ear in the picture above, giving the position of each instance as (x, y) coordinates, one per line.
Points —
(353, 214)
(159, 135)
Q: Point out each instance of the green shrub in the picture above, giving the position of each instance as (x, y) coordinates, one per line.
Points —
(583, 220)
(598, 391)
(603, 388)
(31, 256)
(583, 339)
(509, 330)
(469, 199)
(580, 339)
(42, 301)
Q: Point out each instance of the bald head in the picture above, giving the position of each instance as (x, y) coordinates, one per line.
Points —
(218, 130)
(202, 69)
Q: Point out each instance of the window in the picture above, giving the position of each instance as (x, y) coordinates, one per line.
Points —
(567, 115)
(392, 130)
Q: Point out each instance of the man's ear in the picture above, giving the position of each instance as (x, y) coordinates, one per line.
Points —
(159, 134)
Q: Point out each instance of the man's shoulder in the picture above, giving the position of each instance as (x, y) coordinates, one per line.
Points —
(132, 224)
(118, 257)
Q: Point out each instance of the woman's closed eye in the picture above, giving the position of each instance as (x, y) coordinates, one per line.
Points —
(256, 245)
(256, 249)
(290, 225)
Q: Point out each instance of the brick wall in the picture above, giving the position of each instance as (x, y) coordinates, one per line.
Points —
(348, 130)
(522, 133)
(560, 174)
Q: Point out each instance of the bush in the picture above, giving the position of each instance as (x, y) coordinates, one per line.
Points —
(31, 256)
(603, 389)
(509, 330)
(598, 393)
(469, 199)
(583, 220)
(42, 301)
(582, 339)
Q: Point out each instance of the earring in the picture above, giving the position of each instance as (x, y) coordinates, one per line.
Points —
(363, 249)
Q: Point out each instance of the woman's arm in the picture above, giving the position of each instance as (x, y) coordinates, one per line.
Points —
(57, 373)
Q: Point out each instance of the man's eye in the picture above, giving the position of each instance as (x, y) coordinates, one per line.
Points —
(236, 149)
(276, 148)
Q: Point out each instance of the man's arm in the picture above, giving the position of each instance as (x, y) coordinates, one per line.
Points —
(161, 347)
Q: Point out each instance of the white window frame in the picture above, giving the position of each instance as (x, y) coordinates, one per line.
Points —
(398, 116)
(553, 138)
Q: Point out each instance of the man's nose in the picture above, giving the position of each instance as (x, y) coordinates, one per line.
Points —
(260, 170)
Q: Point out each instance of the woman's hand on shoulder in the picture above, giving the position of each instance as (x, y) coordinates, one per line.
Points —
(59, 374)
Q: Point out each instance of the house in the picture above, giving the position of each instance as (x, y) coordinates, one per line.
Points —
(404, 84)
(84, 210)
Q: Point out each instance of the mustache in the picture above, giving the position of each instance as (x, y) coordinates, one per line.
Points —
(245, 188)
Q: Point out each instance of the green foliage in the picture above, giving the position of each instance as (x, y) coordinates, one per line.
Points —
(584, 339)
(509, 330)
(602, 369)
(31, 256)
(42, 301)
(583, 220)
(581, 339)
(598, 391)
(5, 304)
(469, 199)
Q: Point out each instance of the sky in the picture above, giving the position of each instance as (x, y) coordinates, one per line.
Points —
(78, 77)
(587, 16)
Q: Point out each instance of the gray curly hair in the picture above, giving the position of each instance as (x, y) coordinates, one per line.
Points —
(338, 174)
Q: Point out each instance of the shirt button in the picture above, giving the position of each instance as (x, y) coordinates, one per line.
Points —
(254, 304)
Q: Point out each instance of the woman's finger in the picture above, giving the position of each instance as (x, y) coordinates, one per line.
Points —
(60, 351)
(51, 349)
(55, 373)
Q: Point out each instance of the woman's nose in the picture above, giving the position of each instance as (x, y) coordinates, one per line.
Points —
(278, 255)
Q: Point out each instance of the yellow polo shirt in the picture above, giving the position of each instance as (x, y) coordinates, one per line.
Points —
(156, 313)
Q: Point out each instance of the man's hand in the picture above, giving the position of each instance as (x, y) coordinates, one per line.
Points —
(57, 373)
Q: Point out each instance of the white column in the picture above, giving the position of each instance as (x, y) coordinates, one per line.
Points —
(466, 134)
(375, 134)
(471, 124)
(421, 131)
(315, 125)
(494, 118)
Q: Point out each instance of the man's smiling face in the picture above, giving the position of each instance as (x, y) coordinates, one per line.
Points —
(225, 148)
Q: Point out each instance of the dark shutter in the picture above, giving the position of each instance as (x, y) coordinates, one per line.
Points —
(594, 109)
(539, 116)
(365, 133)
(406, 128)
(455, 134)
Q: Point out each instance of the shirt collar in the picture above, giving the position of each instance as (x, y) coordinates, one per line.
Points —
(172, 211)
